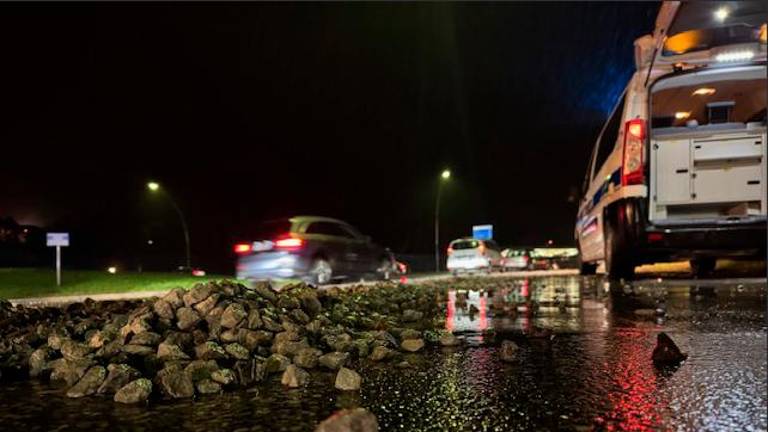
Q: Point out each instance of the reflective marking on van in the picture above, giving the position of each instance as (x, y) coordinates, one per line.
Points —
(614, 179)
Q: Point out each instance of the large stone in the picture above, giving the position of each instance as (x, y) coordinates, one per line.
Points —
(232, 335)
(187, 318)
(307, 357)
(210, 351)
(183, 340)
(224, 376)
(264, 289)
(410, 315)
(380, 353)
(56, 339)
(233, 315)
(288, 302)
(349, 420)
(136, 325)
(97, 339)
(270, 324)
(237, 351)
(118, 376)
(208, 386)
(72, 350)
(207, 305)
(412, 345)
(449, 339)
(311, 304)
(276, 363)
(197, 294)
(201, 369)
(255, 338)
(508, 351)
(299, 316)
(38, 361)
(146, 338)
(175, 297)
(341, 342)
(69, 371)
(134, 392)
(249, 371)
(164, 309)
(138, 350)
(294, 376)
(410, 334)
(347, 379)
(254, 319)
(168, 351)
(89, 383)
(177, 385)
(333, 360)
(666, 352)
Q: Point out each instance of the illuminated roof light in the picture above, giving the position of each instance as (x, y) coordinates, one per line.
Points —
(735, 56)
(112, 270)
(721, 14)
(680, 115)
(704, 91)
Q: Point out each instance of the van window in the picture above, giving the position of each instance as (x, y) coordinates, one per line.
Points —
(465, 244)
(608, 138)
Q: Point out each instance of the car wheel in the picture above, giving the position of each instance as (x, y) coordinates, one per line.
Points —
(704, 266)
(320, 271)
(617, 264)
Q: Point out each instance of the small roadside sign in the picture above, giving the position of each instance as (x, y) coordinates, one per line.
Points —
(57, 240)
(482, 232)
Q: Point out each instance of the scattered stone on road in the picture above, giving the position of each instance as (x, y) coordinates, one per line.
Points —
(412, 345)
(449, 339)
(294, 376)
(666, 352)
(508, 351)
(349, 420)
(348, 380)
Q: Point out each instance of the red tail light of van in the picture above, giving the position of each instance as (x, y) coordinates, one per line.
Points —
(289, 243)
(633, 163)
(242, 248)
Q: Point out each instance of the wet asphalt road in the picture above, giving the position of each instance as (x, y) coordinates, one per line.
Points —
(594, 374)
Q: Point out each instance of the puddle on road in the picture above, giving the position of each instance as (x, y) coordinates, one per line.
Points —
(594, 373)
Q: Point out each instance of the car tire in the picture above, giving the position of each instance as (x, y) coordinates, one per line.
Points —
(320, 272)
(618, 264)
(703, 266)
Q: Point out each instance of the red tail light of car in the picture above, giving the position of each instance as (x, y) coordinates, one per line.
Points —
(289, 243)
(633, 163)
(449, 251)
(243, 248)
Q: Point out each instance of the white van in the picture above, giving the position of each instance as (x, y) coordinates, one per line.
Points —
(679, 169)
(469, 255)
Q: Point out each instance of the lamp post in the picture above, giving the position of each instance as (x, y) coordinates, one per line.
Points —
(444, 177)
(155, 187)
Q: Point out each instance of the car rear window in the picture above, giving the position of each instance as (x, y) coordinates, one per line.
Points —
(466, 244)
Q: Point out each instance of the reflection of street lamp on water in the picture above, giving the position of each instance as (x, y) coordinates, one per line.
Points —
(155, 187)
(444, 176)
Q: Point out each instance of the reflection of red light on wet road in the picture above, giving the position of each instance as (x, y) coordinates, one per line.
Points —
(483, 324)
(450, 310)
(524, 288)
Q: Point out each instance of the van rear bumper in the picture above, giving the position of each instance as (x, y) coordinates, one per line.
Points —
(707, 239)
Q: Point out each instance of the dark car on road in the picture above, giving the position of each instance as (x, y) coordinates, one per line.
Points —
(315, 249)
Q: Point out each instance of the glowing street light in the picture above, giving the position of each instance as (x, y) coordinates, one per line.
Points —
(444, 176)
(721, 14)
(155, 188)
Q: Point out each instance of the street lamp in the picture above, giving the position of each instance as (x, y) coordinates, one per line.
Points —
(444, 176)
(155, 187)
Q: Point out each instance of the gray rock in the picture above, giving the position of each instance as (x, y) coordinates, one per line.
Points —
(270, 324)
(311, 304)
(288, 302)
(96, 339)
(207, 305)
(307, 358)
(118, 376)
(210, 351)
(264, 289)
(146, 338)
(412, 345)
(89, 383)
(349, 420)
(201, 369)
(299, 316)
(164, 309)
(380, 353)
(208, 386)
(333, 360)
(255, 338)
(276, 363)
(72, 350)
(223, 376)
(508, 351)
(38, 361)
(187, 318)
(177, 385)
(249, 371)
(56, 339)
(254, 319)
(449, 339)
(237, 351)
(139, 350)
(134, 392)
(410, 334)
(666, 352)
(197, 294)
(168, 351)
(175, 297)
(294, 376)
(183, 340)
(233, 315)
(348, 380)
(410, 315)
(69, 371)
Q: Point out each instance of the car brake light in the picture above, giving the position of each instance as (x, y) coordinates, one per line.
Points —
(242, 248)
(633, 165)
(449, 251)
(482, 248)
(655, 237)
(289, 243)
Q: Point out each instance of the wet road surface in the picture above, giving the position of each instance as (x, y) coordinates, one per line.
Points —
(592, 373)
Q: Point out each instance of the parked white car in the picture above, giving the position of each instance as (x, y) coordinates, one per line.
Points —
(679, 168)
(469, 255)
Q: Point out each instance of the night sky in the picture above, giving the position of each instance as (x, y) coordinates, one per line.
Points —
(250, 111)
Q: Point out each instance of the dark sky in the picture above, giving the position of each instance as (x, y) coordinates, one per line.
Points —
(247, 111)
